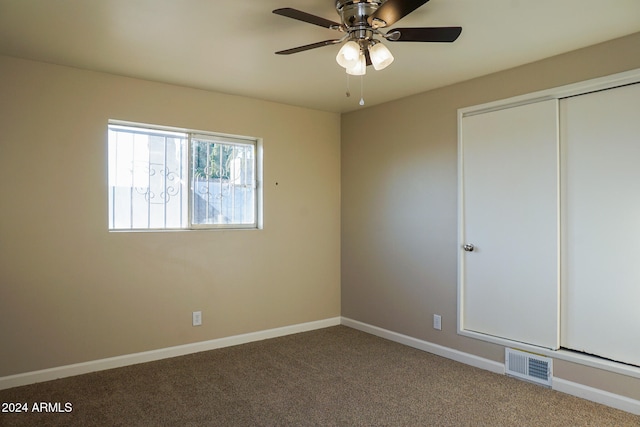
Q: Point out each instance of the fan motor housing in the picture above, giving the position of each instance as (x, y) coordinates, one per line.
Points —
(354, 13)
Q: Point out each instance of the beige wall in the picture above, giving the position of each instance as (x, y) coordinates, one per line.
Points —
(70, 291)
(399, 203)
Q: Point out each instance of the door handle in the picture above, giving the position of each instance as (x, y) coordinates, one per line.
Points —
(468, 247)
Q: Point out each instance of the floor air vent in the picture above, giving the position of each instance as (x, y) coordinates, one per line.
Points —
(528, 366)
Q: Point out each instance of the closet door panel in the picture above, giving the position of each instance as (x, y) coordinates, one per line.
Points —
(510, 286)
(601, 223)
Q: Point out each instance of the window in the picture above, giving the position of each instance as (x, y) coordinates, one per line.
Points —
(161, 179)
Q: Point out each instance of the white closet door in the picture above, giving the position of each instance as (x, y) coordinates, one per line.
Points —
(510, 283)
(601, 223)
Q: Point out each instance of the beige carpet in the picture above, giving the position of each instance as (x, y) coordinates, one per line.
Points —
(331, 377)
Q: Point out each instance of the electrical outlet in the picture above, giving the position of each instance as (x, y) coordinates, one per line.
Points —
(437, 322)
(197, 318)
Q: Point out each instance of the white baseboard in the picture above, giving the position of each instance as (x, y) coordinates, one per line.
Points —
(575, 389)
(163, 353)
(449, 353)
(596, 395)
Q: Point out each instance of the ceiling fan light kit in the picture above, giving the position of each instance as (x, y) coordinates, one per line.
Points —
(361, 21)
(381, 56)
(359, 68)
(348, 55)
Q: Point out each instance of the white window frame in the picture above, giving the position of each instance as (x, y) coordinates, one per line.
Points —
(214, 137)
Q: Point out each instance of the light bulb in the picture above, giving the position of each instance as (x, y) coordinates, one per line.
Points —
(359, 68)
(349, 54)
(381, 57)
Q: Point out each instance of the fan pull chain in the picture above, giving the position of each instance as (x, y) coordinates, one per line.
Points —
(361, 90)
(348, 92)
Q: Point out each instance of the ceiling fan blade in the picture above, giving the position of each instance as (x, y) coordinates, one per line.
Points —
(307, 47)
(392, 11)
(306, 17)
(437, 34)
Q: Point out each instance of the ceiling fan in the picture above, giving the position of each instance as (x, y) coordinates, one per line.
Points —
(362, 21)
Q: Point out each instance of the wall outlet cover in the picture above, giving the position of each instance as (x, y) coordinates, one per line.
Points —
(437, 322)
(197, 318)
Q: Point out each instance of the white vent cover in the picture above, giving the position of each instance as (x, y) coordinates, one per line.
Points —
(528, 366)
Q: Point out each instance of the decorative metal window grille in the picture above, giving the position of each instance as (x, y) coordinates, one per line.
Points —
(163, 179)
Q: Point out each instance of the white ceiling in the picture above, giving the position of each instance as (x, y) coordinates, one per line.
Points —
(228, 45)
